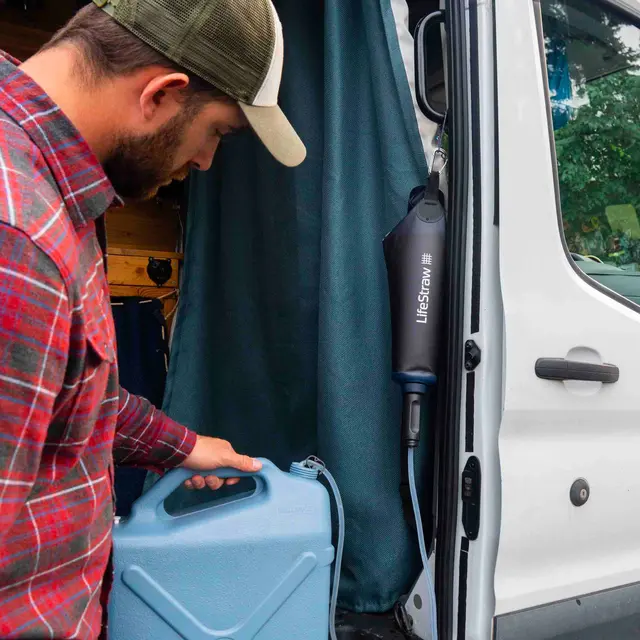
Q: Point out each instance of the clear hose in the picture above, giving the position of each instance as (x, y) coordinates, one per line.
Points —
(423, 546)
(339, 551)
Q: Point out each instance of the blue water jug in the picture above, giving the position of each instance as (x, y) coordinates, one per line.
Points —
(256, 567)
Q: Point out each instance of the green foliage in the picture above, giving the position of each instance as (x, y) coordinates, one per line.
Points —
(598, 150)
(599, 155)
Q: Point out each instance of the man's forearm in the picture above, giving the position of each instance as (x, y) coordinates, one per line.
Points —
(146, 437)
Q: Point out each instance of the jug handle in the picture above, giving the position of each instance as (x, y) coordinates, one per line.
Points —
(151, 504)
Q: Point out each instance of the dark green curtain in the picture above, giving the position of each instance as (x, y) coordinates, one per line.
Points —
(141, 335)
(282, 342)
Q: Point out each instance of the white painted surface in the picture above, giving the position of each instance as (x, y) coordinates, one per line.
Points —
(418, 603)
(480, 604)
(551, 434)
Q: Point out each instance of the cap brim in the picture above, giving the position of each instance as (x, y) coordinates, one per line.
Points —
(276, 133)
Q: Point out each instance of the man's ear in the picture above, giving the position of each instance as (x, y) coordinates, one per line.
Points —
(161, 92)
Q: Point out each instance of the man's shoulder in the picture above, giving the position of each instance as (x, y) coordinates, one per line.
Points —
(28, 200)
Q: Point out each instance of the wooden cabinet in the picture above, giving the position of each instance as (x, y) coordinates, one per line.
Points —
(153, 225)
(26, 25)
(130, 268)
(140, 232)
(128, 276)
(137, 233)
(21, 41)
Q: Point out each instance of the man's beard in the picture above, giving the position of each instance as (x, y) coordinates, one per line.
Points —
(139, 166)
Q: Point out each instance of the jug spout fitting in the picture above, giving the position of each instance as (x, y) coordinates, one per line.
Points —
(301, 470)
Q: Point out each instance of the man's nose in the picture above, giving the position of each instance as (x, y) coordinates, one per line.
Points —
(204, 159)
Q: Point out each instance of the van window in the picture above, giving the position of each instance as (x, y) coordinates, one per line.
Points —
(593, 68)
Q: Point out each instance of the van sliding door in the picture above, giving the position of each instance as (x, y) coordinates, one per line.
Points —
(568, 96)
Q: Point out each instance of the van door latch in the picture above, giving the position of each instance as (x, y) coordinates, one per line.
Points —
(472, 355)
(471, 478)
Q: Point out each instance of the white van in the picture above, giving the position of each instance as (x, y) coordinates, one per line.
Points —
(538, 520)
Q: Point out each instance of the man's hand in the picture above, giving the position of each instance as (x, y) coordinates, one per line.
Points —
(210, 454)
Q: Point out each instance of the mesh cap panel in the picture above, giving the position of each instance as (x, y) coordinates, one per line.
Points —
(228, 43)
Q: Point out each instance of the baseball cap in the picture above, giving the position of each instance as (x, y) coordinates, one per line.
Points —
(235, 45)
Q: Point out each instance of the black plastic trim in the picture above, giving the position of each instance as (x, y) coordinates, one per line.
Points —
(470, 412)
(449, 471)
(462, 579)
(563, 369)
(471, 497)
(496, 110)
(543, 69)
(476, 166)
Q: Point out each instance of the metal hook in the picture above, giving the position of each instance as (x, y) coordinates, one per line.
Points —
(442, 154)
(314, 462)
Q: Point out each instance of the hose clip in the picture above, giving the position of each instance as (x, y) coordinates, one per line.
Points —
(313, 462)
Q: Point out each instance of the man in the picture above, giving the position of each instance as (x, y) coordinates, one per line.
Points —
(128, 96)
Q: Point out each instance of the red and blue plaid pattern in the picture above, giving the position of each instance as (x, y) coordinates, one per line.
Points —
(63, 416)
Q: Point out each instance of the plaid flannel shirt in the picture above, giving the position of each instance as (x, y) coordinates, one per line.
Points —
(63, 416)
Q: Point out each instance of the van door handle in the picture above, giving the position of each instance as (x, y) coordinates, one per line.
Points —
(420, 51)
(563, 369)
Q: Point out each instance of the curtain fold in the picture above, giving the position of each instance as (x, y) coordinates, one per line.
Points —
(282, 343)
(142, 365)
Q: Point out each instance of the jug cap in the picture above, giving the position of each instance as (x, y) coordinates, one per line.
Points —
(301, 470)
